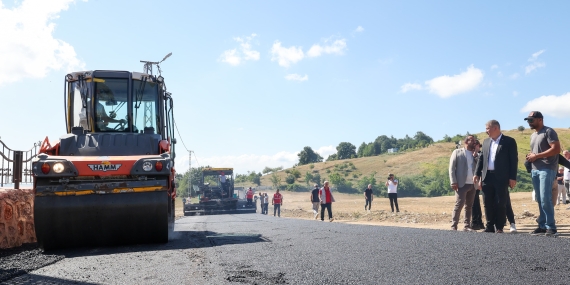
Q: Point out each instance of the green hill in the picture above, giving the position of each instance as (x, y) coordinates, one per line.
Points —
(422, 172)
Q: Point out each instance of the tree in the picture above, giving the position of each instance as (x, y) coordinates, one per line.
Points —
(332, 157)
(316, 178)
(268, 169)
(296, 173)
(275, 180)
(345, 150)
(307, 155)
(290, 179)
(308, 178)
(521, 129)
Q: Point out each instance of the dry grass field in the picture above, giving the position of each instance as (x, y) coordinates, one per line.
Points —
(409, 162)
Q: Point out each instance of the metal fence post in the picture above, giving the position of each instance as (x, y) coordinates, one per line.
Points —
(17, 166)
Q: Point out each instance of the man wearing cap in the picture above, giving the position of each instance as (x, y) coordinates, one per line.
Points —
(543, 156)
(496, 170)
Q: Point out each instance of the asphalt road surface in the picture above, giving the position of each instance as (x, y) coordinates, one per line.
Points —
(259, 249)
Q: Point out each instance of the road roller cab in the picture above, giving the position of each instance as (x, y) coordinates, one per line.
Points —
(109, 180)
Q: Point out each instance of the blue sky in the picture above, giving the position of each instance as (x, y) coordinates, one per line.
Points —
(256, 81)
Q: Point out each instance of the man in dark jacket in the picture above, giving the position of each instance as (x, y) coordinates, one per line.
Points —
(497, 171)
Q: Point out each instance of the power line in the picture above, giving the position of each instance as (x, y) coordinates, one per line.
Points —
(176, 126)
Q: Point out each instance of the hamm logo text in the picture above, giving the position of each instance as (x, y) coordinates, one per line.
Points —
(104, 167)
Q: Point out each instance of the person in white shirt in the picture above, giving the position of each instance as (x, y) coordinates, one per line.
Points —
(392, 185)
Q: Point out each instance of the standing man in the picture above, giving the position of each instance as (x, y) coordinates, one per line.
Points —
(392, 185)
(461, 169)
(277, 201)
(326, 198)
(265, 202)
(249, 196)
(497, 171)
(567, 176)
(223, 182)
(316, 201)
(477, 215)
(544, 149)
(368, 196)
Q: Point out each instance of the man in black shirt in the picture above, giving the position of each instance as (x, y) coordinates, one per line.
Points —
(368, 196)
(315, 200)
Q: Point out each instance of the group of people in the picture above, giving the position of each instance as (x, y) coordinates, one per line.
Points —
(492, 169)
(276, 201)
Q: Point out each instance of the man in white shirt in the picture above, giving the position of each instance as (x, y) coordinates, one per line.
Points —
(461, 170)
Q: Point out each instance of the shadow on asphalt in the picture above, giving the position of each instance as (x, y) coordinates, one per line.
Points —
(177, 240)
(39, 279)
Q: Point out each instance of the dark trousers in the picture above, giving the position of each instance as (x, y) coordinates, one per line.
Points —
(249, 202)
(277, 210)
(509, 209)
(477, 215)
(327, 206)
(393, 200)
(495, 196)
(264, 208)
(368, 204)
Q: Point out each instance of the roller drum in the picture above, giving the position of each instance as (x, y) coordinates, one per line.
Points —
(101, 220)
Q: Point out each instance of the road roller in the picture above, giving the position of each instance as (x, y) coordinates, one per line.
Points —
(110, 179)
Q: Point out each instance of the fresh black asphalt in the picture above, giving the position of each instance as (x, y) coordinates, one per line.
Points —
(259, 249)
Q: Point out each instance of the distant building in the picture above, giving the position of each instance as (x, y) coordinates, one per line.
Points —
(393, 150)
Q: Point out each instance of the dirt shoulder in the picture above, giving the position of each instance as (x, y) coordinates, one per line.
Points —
(432, 213)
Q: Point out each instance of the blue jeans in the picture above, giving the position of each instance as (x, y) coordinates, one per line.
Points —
(542, 180)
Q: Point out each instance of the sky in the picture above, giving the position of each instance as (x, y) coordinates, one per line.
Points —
(254, 82)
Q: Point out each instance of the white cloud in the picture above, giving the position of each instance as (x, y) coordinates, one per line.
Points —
(515, 93)
(337, 47)
(325, 151)
(514, 76)
(249, 162)
(297, 77)
(359, 29)
(534, 63)
(235, 57)
(531, 67)
(286, 56)
(27, 46)
(494, 66)
(446, 86)
(409, 87)
(556, 106)
(230, 57)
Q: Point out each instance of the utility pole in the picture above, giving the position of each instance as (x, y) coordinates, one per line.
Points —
(189, 173)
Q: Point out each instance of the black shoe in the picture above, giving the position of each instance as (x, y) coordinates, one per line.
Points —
(489, 230)
(477, 227)
(551, 233)
(538, 231)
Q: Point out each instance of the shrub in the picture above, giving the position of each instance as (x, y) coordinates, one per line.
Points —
(290, 179)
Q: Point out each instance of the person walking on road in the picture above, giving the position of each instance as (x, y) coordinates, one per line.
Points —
(392, 185)
(265, 203)
(249, 196)
(461, 169)
(368, 196)
(543, 156)
(316, 201)
(497, 171)
(326, 198)
(277, 201)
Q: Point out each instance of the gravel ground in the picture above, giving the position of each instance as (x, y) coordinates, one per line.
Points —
(17, 261)
(259, 249)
